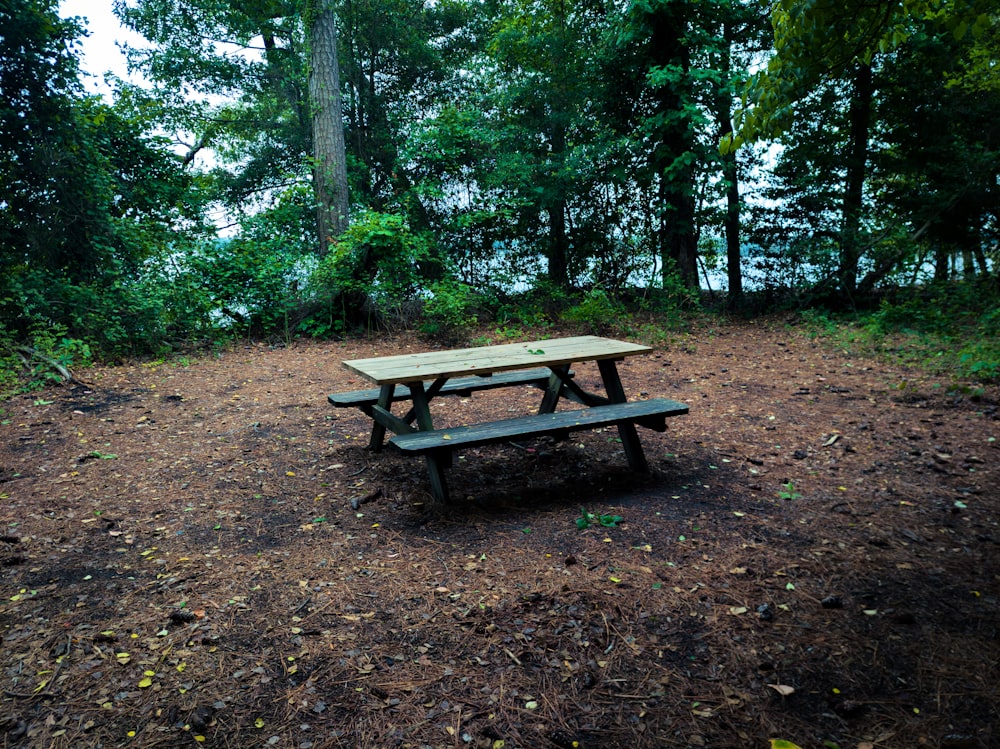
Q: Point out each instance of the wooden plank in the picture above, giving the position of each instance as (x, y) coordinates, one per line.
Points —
(378, 429)
(487, 359)
(459, 386)
(626, 429)
(536, 425)
(388, 420)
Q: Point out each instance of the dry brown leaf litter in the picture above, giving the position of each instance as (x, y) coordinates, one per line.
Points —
(205, 553)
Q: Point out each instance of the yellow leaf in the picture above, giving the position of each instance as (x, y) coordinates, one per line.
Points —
(199, 738)
(259, 723)
(782, 744)
(145, 682)
(289, 473)
(446, 436)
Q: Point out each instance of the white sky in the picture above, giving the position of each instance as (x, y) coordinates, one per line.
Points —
(101, 51)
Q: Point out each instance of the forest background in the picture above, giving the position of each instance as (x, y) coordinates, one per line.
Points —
(479, 169)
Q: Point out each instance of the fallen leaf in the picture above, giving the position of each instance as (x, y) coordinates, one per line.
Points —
(783, 689)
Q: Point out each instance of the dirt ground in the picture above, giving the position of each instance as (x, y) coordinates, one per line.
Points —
(204, 551)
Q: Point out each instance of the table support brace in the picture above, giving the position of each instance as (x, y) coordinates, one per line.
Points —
(626, 430)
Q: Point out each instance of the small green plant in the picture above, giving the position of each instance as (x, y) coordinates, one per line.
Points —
(449, 307)
(588, 519)
(788, 491)
(597, 312)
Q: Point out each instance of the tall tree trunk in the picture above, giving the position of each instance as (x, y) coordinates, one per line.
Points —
(730, 172)
(857, 161)
(329, 159)
(558, 270)
(942, 254)
(671, 155)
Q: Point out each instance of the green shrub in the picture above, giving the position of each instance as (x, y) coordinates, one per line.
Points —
(598, 313)
(450, 307)
(44, 357)
(375, 272)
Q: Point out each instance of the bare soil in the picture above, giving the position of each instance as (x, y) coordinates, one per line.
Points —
(204, 551)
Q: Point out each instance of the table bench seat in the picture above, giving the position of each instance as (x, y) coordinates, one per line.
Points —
(437, 444)
(651, 414)
(463, 386)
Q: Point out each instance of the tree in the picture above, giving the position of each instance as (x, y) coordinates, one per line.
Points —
(737, 39)
(817, 40)
(50, 214)
(519, 174)
(399, 59)
(329, 155)
(89, 196)
(539, 53)
(939, 169)
(274, 124)
(659, 100)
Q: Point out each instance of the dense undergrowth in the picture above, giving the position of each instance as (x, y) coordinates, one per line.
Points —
(951, 329)
(946, 329)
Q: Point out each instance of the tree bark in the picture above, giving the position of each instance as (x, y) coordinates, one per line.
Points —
(558, 270)
(730, 172)
(857, 162)
(329, 155)
(671, 154)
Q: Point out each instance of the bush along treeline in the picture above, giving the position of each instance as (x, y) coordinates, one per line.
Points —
(317, 167)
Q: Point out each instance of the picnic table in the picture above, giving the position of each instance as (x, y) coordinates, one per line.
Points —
(417, 379)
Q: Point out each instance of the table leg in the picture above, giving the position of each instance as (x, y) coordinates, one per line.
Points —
(421, 405)
(630, 438)
(378, 431)
(437, 461)
(430, 392)
(553, 390)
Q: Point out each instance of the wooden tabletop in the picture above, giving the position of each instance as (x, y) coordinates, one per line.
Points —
(483, 360)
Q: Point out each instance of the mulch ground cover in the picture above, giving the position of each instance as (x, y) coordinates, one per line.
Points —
(204, 552)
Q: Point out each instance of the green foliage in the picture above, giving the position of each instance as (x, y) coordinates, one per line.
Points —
(816, 40)
(788, 491)
(597, 313)
(588, 519)
(43, 358)
(375, 272)
(450, 307)
(948, 328)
